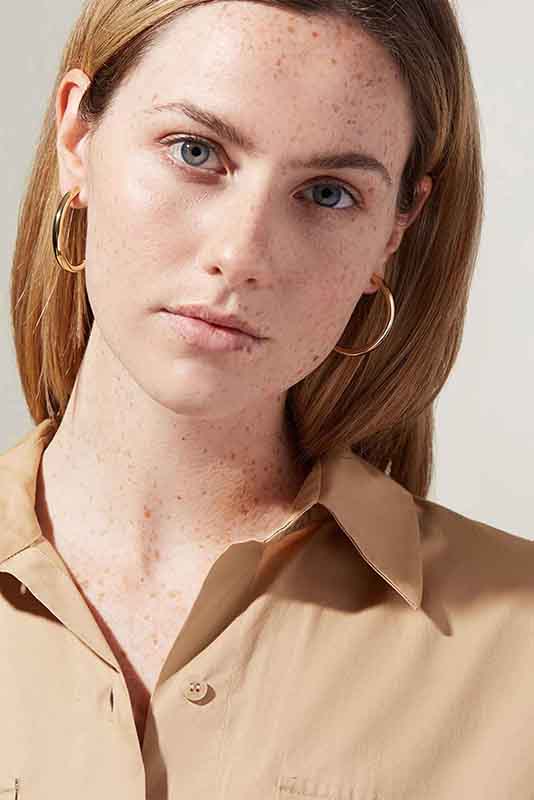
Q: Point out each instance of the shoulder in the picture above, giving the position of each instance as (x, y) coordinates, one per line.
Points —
(469, 556)
(467, 532)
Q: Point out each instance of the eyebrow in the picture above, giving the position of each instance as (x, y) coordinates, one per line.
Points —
(226, 130)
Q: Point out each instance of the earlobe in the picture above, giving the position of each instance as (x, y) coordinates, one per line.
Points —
(71, 135)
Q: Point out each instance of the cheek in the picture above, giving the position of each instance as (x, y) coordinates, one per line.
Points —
(133, 225)
(344, 276)
(137, 208)
(321, 313)
(325, 288)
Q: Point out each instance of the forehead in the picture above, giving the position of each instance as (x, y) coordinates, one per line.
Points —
(308, 81)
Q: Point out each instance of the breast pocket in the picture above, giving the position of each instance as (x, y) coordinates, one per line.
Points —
(9, 790)
(300, 787)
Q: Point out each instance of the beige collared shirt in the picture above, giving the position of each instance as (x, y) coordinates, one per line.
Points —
(388, 656)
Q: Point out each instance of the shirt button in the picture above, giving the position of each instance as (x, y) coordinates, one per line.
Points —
(195, 690)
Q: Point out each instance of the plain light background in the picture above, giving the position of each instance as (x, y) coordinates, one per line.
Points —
(484, 414)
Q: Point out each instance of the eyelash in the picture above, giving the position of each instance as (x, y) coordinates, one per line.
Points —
(196, 140)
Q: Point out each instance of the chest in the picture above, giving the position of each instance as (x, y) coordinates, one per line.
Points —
(140, 641)
(141, 618)
(140, 628)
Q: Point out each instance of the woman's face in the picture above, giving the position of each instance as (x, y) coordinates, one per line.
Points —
(248, 232)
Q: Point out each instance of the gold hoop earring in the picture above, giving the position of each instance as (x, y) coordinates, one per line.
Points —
(377, 280)
(57, 231)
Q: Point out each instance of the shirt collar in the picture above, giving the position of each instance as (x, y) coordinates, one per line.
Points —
(378, 515)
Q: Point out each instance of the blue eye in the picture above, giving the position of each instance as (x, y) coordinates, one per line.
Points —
(331, 191)
(190, 149)
(191, 152)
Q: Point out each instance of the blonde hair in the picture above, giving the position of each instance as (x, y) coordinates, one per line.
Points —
(381, 404)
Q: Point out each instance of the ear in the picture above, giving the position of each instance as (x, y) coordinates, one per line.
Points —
(72, 135)
(422, 193)
(403, 222)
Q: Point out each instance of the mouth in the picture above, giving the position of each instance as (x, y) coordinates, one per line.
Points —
(216, 317)
(208, 335)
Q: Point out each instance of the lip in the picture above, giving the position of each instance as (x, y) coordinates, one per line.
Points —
(206, 335)
(215, 316)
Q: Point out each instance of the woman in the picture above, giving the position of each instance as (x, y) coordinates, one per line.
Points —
(220, 574)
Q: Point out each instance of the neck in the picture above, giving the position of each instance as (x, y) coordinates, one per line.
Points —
(125, 477)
